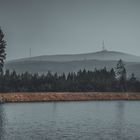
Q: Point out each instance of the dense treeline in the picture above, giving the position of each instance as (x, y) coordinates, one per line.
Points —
(98, 80)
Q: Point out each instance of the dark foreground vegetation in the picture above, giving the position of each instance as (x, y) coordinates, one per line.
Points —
(84, 81)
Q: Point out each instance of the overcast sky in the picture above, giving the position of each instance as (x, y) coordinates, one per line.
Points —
(69, 26)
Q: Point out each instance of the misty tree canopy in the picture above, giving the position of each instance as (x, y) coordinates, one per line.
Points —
(102, 80)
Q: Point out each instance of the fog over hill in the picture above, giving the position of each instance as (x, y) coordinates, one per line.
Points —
(75, 62)
(100, 55)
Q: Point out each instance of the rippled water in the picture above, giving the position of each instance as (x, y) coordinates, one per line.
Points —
(97, 120)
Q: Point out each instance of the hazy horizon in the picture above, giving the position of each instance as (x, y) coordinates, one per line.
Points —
(70, 54)
(52, 27)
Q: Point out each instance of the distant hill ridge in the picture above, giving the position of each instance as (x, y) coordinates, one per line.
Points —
(74, 62)
(100, 55)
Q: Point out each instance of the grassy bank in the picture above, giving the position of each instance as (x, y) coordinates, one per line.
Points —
(65, 96)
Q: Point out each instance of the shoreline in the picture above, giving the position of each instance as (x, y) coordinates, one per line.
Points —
(67, 96)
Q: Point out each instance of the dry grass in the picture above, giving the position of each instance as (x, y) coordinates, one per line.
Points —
(66, 96)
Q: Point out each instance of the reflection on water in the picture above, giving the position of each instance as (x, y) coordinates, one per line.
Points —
(97, 120)
(120, 106)
(1, 122)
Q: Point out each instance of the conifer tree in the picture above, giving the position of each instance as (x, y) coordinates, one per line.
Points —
(2, 51)
(121, 75)
(120, 70)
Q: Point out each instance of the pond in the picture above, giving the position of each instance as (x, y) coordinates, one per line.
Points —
(95, 120)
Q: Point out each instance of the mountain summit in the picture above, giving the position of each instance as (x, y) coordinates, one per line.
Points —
(100, 55)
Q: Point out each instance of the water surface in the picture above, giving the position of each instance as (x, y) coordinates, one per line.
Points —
(96, 120)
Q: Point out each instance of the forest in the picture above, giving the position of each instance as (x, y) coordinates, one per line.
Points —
(102, 80)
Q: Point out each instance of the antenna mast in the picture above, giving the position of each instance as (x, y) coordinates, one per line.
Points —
(30, 52)
(103, 46)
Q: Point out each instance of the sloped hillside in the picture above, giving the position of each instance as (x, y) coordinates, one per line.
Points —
(73, 63)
